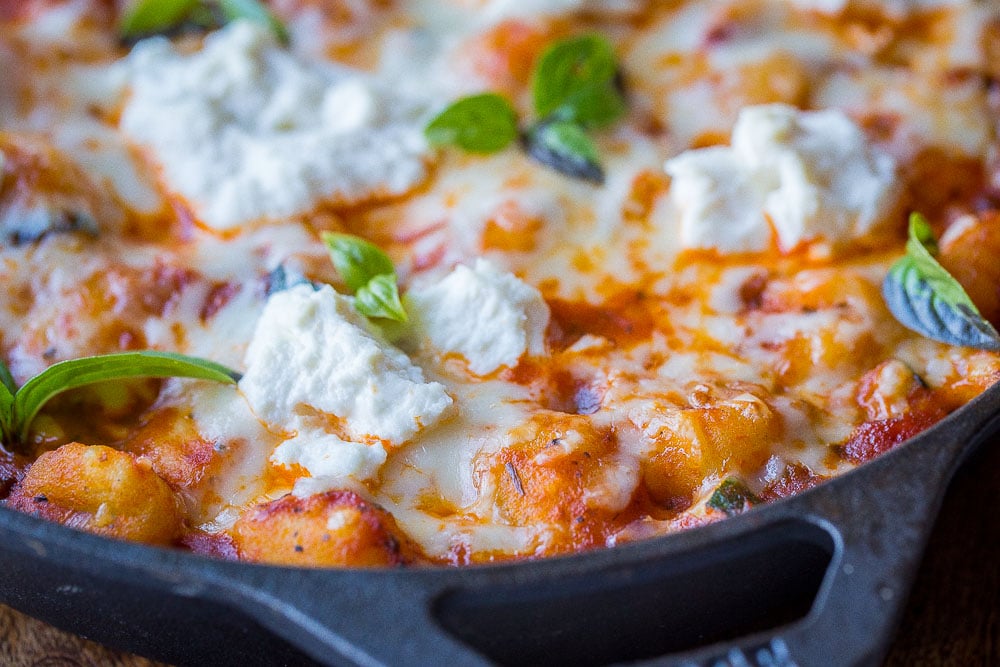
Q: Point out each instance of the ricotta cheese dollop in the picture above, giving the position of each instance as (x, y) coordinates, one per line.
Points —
(245, 130)
(315, 368)
(489, 317)
(810, 174)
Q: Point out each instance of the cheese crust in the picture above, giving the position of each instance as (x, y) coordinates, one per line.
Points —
(582, 365)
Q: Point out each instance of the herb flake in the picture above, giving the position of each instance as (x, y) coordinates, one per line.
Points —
(732, 497)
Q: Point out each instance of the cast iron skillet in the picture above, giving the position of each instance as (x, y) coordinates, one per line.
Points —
(817, 579)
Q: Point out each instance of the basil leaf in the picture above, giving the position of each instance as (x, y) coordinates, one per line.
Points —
(565, 147)
(570, 72)
(380, 298)
(7, 389)
(924, 297)
(6, 380)
(479, 124)
(357, 260)
(593, 107)
(732, 497)
(254, 10)
(150, 17)
(66, 375)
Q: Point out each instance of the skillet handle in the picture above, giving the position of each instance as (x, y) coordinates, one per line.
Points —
(347, 617)
(880, 519)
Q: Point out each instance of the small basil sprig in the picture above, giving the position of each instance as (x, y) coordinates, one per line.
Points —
(18, 407)
(142, 18)
(369, 272)
(574, 88)
(924, 297)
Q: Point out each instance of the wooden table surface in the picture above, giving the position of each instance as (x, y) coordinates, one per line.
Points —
(952, 618)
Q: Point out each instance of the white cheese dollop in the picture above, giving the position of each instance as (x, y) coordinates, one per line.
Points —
(719, 201)
(312, 352)
(244, 130)
(489, 317)
(810, 174)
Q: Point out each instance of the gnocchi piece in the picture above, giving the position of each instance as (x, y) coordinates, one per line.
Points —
(100, 490)
(559, 472)
(336, 528)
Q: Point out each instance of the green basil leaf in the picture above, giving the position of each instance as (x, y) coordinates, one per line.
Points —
(254, 10)
(6, 380)
(66, 375)
(7, 389)
(150, 17)
(732, 497)
(924, 297)
(380, 298)
(357, 260)
(479, 124)
(593, 107)
(565, 147)
(568, 69)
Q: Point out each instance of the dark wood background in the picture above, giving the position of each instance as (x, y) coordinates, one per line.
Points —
(952, 617)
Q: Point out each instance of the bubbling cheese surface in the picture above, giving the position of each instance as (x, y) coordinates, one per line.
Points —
(582, 365)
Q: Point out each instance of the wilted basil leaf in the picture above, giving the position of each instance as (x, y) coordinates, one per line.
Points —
(924, 297)
(577, 73)
(380, 298)
(565, 147)
(732, 497)
(357, 260)
(479, 124)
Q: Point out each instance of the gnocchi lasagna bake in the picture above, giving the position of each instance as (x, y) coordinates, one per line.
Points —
(403, 282)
